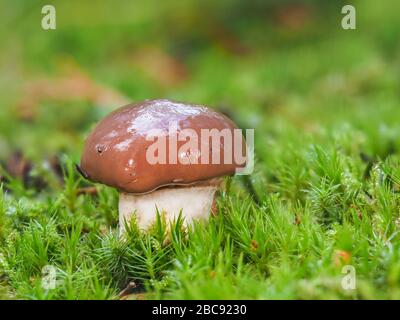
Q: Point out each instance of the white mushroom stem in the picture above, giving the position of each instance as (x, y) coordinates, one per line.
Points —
(195, 202)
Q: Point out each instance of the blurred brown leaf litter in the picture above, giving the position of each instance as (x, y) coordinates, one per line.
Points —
(293, 16)
(17, 166)
(341, 257)
(159, 66)
(72, 84)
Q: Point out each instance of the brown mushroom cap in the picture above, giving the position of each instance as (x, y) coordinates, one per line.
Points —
(115, 152)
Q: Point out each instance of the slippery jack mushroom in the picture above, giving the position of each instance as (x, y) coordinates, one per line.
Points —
(139, 149)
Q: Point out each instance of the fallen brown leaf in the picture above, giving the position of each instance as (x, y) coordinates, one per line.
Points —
(254, 245)
(293, 16)
(18, 166)
(341, 257)
(71, 85)
(160, 66)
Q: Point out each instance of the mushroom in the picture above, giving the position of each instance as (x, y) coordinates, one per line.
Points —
(161, 157)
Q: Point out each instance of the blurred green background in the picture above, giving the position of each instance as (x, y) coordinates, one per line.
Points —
(271, 64)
